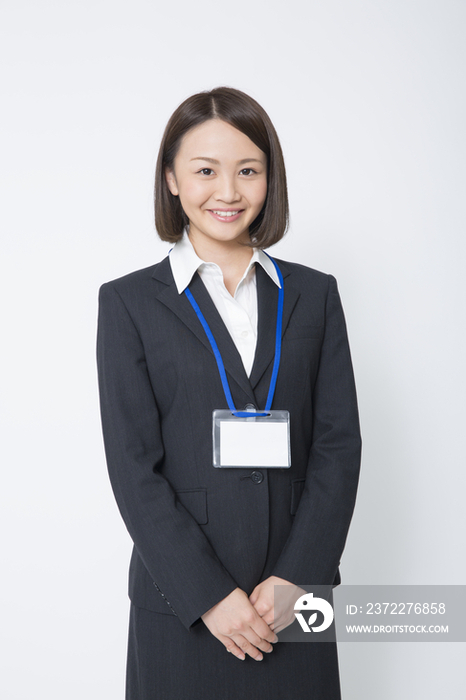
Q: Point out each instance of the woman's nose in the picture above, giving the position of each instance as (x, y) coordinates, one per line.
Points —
(227, 190)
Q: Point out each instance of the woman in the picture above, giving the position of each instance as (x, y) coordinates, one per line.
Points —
(212, 542)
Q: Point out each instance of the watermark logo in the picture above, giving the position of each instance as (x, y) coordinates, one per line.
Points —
(308, 603)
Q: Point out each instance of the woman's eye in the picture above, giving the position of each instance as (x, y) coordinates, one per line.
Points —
(206, 171)
(247, 171)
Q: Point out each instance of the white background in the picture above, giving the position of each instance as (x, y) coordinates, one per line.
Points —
(368, 99)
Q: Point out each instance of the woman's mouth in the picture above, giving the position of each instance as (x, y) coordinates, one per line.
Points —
(226, 215)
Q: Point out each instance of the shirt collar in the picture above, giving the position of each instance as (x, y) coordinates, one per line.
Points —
(184, 262)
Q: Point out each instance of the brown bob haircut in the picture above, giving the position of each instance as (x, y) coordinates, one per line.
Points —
(246, 115)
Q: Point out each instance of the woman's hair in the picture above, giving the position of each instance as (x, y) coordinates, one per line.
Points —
(246, 115)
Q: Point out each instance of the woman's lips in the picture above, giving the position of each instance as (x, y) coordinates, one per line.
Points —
(226, 216)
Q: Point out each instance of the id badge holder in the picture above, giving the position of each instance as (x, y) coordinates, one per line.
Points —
(261, 439)
(256, 441)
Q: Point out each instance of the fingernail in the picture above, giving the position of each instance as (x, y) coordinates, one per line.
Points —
(259, 658)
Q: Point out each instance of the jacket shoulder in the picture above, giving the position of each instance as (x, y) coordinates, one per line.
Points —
(139, 279)
(306, 277)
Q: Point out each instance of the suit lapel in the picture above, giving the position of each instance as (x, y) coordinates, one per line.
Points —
(179, 304)
(267, 301)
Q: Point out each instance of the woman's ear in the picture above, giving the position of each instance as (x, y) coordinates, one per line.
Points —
(171, 181)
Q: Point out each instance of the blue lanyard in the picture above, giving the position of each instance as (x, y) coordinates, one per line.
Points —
(218, 357)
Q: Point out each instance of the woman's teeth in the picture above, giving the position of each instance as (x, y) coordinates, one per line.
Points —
(225, 213)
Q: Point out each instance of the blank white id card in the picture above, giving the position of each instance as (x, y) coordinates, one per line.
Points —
(259, 441)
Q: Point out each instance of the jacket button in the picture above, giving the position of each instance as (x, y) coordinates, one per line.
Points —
(257, 477)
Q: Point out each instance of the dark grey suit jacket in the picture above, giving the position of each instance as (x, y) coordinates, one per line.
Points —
(199, 532)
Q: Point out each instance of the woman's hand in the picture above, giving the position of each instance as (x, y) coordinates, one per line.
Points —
(263, 600)
(236, 623)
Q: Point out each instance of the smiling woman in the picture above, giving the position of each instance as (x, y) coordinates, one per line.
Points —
(228, 108)
(219, 323)
(220, 197)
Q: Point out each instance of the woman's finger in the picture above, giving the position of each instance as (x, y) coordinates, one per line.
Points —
(231, 647)
(248, 648)
(262, 630)
(283, 623)
(259, 642)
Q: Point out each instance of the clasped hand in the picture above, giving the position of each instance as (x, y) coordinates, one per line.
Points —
(249, 625)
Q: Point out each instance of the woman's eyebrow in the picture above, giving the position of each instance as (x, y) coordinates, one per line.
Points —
(216, 162)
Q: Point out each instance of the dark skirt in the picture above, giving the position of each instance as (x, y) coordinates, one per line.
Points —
(168, 662)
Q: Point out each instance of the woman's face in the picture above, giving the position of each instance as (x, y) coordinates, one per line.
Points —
(220, 176)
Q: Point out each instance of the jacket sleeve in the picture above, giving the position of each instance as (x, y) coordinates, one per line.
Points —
(171, 544)
(312, 552)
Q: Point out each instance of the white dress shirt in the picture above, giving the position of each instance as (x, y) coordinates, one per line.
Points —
(238, 312)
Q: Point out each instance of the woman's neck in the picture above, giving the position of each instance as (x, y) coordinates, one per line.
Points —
(232, 257)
